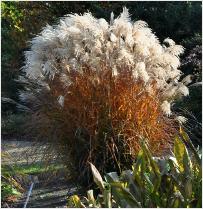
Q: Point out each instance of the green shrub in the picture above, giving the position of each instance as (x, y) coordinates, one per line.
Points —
(14, 124)
(152, 182)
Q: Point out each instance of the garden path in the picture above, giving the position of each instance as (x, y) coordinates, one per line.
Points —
(52, 187)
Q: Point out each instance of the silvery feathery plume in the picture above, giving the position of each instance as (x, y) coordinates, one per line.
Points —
(181, 119)
(61, 100)
(166, 107)
(85, 40)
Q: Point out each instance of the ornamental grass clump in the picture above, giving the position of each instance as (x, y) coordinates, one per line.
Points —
(96, 88)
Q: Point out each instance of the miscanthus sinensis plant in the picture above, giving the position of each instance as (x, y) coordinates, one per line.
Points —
(96, 87)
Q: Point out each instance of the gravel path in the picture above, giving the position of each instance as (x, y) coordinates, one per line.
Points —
(51, 188)
(21, 152)
(51, 195)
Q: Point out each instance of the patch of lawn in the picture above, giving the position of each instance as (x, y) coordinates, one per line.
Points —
(34, 168)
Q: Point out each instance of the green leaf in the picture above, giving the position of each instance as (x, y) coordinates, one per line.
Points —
(179, 151)
(188, 141)
(123, 196)
(107, 196)
(135, 190)
(154, 166)
(112, 177)
(188, 188)
(91, 199)
(139, 169)
(97, 177)
(155, 199)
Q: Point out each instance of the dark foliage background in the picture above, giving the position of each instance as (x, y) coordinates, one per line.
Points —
(181, 21)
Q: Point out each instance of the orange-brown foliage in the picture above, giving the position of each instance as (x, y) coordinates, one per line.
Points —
(104, 117)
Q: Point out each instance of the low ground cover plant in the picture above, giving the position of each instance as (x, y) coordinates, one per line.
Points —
(174, 181)
(11, 184)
